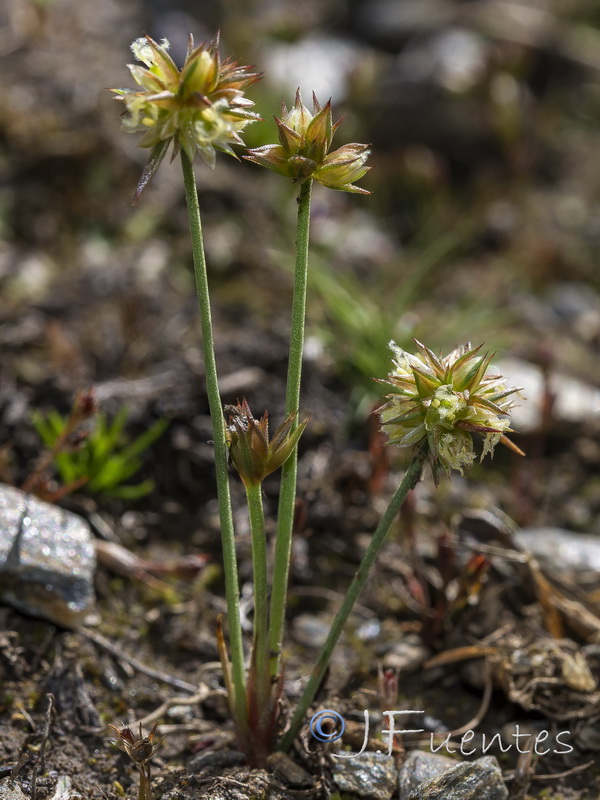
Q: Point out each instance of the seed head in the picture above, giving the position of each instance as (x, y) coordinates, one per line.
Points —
(199, 108)
(303, 149)
(444, 400)
(253, 455)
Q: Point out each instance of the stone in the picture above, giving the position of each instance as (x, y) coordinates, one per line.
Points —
(370, 775)
(310, 630)
(469, 780)
(10, 790)
(289, 772)
(420, 767)
(407, 655)
(47, 559)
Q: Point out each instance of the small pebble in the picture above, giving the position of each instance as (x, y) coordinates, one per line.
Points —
(47, 559)
(370, 775)
(9, 790)
(215, 758)
(407, 655)
(576, 552)
(309, 630)
(288, 772)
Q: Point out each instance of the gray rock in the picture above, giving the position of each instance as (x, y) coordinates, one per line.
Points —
(420, 767)
(370, 775)
(47, 559)
(474, 780)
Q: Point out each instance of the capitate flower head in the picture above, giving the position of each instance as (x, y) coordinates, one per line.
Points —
(253, 453)
(303, 150)
(444, 400)
(200, 107)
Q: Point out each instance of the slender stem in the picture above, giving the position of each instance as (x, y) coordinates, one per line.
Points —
(144, 789)
(220, 444)
(287, 495)
(261, 597)
(410, 480)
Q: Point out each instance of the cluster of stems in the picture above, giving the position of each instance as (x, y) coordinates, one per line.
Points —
(435, 403)
(254, 697)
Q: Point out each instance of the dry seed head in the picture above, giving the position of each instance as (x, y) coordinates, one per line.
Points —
(140, 749)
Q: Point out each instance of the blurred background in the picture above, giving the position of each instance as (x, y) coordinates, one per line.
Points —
(483, 224)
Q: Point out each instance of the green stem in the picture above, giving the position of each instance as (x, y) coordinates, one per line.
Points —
(287, 495)
(260, 659)
(220, 444)
(411, 478)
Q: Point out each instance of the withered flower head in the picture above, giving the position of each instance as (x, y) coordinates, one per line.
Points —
(199, 108)
(140, 749)
(253, 454)
(303, 149)
(444, 400)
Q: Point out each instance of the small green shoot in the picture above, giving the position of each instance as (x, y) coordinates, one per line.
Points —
(102, 459)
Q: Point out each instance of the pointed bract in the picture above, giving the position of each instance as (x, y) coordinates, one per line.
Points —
(253, 455)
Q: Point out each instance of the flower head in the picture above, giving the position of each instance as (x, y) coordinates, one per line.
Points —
(252, 453)
(303, 149)
(200, 107)
(443, 400)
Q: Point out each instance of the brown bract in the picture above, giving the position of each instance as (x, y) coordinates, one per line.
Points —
(253, 454)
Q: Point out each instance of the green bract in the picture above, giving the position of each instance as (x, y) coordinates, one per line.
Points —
(443, 400)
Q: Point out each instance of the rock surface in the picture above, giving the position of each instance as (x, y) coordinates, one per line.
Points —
(9, 790)
(474, 780)
(420, 767)
(47, 559)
